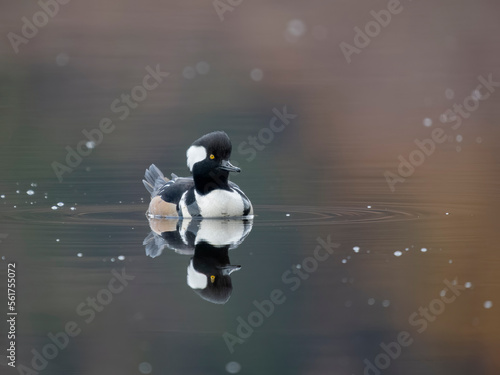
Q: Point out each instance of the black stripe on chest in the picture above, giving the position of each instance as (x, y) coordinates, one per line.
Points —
(246, 201)
(246, 206)
(191, 204)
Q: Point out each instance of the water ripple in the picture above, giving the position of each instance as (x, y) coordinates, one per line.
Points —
(274, 215)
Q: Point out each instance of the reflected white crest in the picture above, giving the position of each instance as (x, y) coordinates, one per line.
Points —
(195, 279)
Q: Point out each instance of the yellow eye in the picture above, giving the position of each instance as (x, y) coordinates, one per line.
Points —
(212, 278)
(212, 156)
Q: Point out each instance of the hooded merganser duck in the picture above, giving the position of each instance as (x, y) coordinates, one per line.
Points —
(208, 242)
(209, 193)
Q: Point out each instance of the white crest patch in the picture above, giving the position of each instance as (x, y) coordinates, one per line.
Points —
(194, 155)
(195, 279)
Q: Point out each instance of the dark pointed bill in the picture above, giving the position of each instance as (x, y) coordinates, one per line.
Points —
(227, 166)
(228, 270)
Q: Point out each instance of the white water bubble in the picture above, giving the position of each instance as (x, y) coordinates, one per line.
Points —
(145, 368)
(233, 367)
(459, 138)
(398, 253)
(60, 204)
(72, 208)
(356, 249)
(424, 249)
(296, 27)
(79, 255)
(488, 304)
(468, 284)
(2, 196)
(427, 122)
(121, 257)
(386, 303)
(202, 67)
(90, 145)
(30, 192)
(257, 74)
(54, 207)
(371, 301)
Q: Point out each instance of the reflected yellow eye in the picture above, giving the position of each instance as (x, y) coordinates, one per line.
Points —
(212, 278)
(212, 156)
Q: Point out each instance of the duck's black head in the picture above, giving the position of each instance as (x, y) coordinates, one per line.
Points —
(209, 272)
(208, 160)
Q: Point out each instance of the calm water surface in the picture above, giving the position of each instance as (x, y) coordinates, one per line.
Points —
(340, 274)
(388, 261)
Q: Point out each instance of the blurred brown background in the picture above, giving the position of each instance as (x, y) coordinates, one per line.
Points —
(353, 122)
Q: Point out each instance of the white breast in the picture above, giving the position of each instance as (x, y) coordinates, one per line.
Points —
(221, 232)
(220, 203)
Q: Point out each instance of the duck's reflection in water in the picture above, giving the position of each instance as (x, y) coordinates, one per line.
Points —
(208, 241)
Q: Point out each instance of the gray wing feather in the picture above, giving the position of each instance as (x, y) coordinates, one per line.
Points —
(154, 180)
